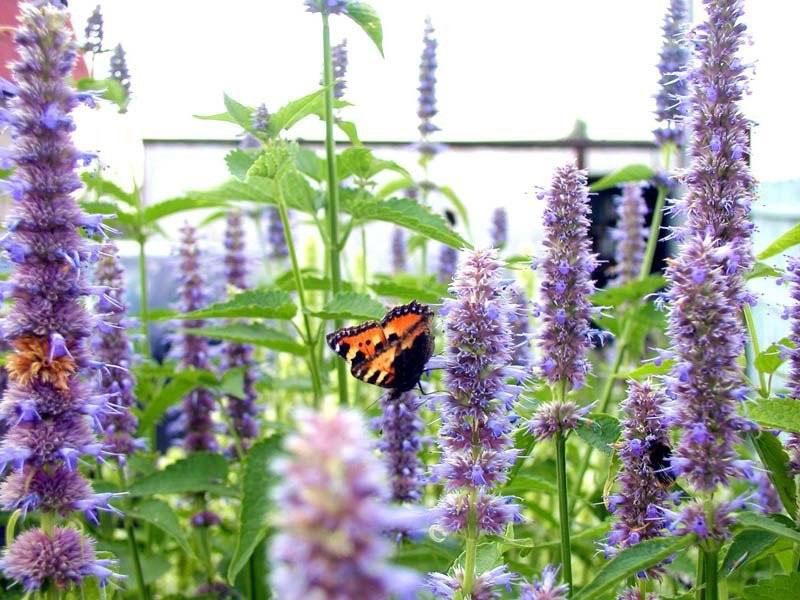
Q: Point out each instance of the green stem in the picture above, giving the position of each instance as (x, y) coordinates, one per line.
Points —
(144, 591)
(642, 589)
(311, 339)
(144, 302)
(332, 206)
(710, 571)
(751, 330)
(471, 550)
(563, 507)
(364, 257)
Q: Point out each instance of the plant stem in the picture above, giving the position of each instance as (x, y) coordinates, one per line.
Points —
(471, 550)
(144, 302)
(751, 330)
(134, 548)
(332, 206)
(710, 570)
(563, 508)
(311, 339)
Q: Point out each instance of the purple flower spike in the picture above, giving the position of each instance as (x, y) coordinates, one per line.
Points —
(483, 587)
(399, 251)
(119, 69)
(632, 593)
(276, 239)
(545, 588)
(644, 452)
(518, 320)
(671, 101)
(793, 354)
(94, 32)
(46, 402)
(334, 498)
(427, 88)
(705, 383)
(260, 119)
(448, 261)
(112, 346)
(557, 417)
(198, 406)
(630, 234)
(475, 436)
(400, 445)
(243, 411)
(566, 279)
(719, 186)
(339, 60)
(499, 231)
(329, 7)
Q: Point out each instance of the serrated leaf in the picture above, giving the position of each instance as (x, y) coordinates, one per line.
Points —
(776, 587)
(104, 187)
(195, 473)
(289, 114)
(311, 282)
(769, 360)
(629, 562)
(649, 369)
(350, 130)
(253, 510)
(351, 305)
(169, 395)
(366, 18)
(120, 219)
(361, 162)
(783, 242)
(297, 193)
(241, 114)
(159, 513)
(746, 546)
(232, 383)
(432, 293)
(259, 303)
(254, 189)
(254, 334)
(310, 164)
(631, 291)
(239, 162)
(155, 212)
(777, 413)
(599, 431)
(776, 461)
(394, 186)
(749, 520)
(111, 89)
(408, 214)
(629, 173)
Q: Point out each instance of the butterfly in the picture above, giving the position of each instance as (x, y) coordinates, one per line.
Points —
(391, 354)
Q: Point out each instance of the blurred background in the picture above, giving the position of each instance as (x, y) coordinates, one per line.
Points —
(523, 86)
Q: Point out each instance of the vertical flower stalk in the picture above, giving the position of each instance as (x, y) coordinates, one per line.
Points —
(671, 100)
(276, 239)
(119, 69)
(793, 380)
(630, 234)
(243, 411)
(112, 346)
(518, 321)
(93, 32)
(339, 60)
(198, 405)
(400, 444)
(334, 494)
(49, 409)
(477, 449)
(499, 230)
(448, 261)
(426, 109)
(398, 251)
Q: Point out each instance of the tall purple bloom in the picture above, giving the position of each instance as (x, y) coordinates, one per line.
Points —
(518, 316)
(477, 449)
(400, 444)
(399, 251)
(243, 411)
(630, 234)
(119, 69)
(644, 453)
(672, 104)
(112, 346)
(329, 7)
(426, 109)
(719, 186)
(448, 261)
(499, 231)
(566, 269)
(793, 381)
(334, 498)
(49, 409)
(339, 63)
(276, 238)
(260, 119)
(94, 32)
(198, 405)
(545, 588)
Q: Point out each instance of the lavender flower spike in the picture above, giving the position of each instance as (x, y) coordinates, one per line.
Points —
(398, 249)
(243, 411)
(475, 436)
(94, 32)
(630, 234)
(499, 231)
(566, 279)
(520, 327)
(112, 346)
(329, 7)
(47, 405)
(400, 445)
(644, 451)
(198, 406)
(545, 588)
(719, 186)
(334, 498)
(339, 60)
(557, 416)
(671, 101)
(276, 238)
(793, 381)
(448, 260)
(119, 69)
(427, 89)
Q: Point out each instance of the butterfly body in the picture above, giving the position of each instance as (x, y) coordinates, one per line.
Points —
(391, 353)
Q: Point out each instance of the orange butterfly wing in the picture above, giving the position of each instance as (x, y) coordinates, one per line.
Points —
(357, 344)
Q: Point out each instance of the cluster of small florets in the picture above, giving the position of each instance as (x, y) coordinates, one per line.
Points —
(672, 103)
(630, 234)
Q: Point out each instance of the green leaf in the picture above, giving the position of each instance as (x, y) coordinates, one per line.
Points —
(769, 360)
(636, 172)
(529, 483)
(777, 413)
(104, 187)
(254, 334)
(394, 186)
(222, 117)
(311, 282)
(159, 513)
(155, 212)
(409, 214)
(296, 190)
(448, 193)
(366, 18)
(777, 587)
(241, 114)
(749, 520)
(232, 383)
(630, 561)
(239, 162)
(111, 90)
(349, 129)
(600, 431)
(631, 291)
(648, 369)
(351, 305)
(253, 189)
(761, 269)
(360, 161)
(775, 460)
(296, 110)
(784, 241)
(746, 546)
(121, 219)
(253, 510)
(196, 473)
(406, 291)
(169, 395)
(310, 164)
(259, 303)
